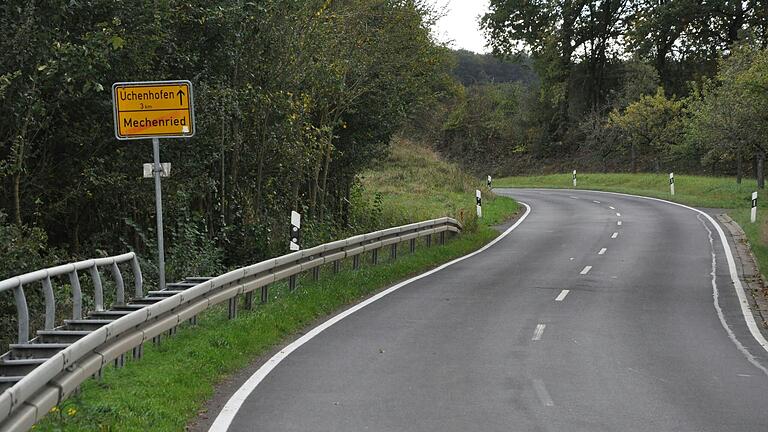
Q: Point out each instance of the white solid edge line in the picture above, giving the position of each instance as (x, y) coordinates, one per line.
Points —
(562, 295)
(586, 270)
(227, 415)
(602, 251)
(745, 311)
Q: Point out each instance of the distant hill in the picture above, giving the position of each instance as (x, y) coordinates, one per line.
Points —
(474, 68)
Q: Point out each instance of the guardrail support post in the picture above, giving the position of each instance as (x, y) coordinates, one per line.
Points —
(119, 284)
(337, 266)
(249, 300)
(50, 304)
(356, 262)
(120, 361)
(137, 278)
(138, 351)
(292, 282)
(264, 294)
(412, 245)
(22, 312)
(429, 240)
(232, 309)
(393, 252)
(316, 274)
(98, 294)
(77, 295)
(442, 238)
(375, 256)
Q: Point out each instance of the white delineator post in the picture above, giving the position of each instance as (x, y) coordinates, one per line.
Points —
(574, 178)
(672, 183)
(753, 216)
(479, 198)
(490, 180)
(295, 231)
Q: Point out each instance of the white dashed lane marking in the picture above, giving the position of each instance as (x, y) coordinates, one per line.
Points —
(586, 270)
(562, 295)
(542, 393)
(602, 251)
(615, 235)
(538, 332)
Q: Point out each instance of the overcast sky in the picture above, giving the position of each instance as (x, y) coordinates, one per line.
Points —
(460, 25)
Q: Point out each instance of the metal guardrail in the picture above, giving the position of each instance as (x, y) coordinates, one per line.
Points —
(50, 383)
(44, 277)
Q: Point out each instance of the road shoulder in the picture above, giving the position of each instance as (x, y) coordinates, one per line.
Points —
(746, 268)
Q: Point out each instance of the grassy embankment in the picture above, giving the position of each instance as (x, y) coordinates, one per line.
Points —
(696, 191)
(167, 388)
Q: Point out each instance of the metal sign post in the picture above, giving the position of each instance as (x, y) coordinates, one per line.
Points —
(154, 109)
(159, 212)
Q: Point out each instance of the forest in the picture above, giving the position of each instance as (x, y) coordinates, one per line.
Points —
(616, 86)
(293, 99)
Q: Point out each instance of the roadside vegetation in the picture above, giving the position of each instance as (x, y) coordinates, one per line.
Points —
(166, 389)
(695, 191)
(607, 87)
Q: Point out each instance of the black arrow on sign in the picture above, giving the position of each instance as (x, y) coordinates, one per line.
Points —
(181, 97)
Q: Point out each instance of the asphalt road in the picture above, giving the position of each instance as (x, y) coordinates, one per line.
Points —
(494, 343)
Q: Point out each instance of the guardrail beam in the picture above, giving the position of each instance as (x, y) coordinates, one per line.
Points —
(82, 347)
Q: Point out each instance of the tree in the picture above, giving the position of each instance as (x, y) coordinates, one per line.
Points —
(651, 128)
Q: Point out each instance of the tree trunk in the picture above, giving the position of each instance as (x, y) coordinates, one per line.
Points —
(324, 187)
(314, 186)
(739, 167)
(633, 157)
(760, 169)
(259, 182)
(17, 196)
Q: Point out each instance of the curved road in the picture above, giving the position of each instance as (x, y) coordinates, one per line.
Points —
(573, 322)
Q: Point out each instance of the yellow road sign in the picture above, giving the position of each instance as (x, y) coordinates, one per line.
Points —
(156, 109)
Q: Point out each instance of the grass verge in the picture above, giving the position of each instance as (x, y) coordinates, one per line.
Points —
(696, 191)
(165, 390)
